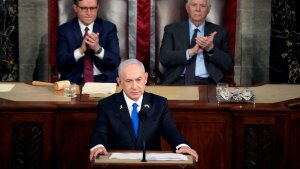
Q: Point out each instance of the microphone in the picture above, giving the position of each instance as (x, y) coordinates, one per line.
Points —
(143, 116)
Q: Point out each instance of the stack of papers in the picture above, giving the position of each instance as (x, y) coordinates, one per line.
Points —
(6, 87)
(95, 89)
(149, 156)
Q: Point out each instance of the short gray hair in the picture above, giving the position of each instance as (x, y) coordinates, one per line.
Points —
(189, 1)
(76, 1)
(128, 62)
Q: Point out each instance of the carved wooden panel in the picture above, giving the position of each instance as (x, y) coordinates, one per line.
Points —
(26, 136)
(261, 138)
(258, 147)
(27, 147)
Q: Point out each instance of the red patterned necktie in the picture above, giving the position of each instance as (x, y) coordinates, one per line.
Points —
(88, 64)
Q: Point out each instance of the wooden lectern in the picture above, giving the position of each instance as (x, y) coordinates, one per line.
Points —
(105, 162)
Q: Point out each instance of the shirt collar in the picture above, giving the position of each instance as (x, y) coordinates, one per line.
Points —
(82, 26)
(129, 102)
(192, 27)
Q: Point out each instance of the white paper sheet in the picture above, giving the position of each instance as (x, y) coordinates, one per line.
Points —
(149, 156)
(6, 87)
(103, 88)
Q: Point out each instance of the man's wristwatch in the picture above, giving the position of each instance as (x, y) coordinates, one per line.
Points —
(99, 50)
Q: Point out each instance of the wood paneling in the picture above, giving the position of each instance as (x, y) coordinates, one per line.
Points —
(226, 136)
(72, 133)
(26, 136)
(294, 140)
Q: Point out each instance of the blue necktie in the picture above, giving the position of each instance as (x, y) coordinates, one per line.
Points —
(135, 118)
(190, 67)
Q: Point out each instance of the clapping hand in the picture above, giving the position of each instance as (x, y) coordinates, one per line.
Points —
(195, 50)
(91, 41)
(206, 42)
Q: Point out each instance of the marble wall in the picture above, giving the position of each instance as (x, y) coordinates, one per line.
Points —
(9, 63)
(267, 42)
(285, 42)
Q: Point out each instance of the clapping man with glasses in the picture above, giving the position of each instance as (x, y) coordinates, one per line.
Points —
(87, 46)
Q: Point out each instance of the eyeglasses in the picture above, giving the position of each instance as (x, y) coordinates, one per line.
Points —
(85, 9)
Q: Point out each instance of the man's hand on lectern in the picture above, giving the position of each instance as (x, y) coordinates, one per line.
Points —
(187, 150)
(97, 151)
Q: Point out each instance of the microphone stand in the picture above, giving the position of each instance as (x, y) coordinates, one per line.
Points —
(144, 145)
(142, 117)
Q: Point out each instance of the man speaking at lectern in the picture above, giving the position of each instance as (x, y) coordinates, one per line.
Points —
(115, 128)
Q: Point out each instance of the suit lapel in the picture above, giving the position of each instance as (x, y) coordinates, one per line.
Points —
(125, 117)
(186, 34)
(207, 32)
(97, 27)
(76, 31)
(146, 105)
(207, 29)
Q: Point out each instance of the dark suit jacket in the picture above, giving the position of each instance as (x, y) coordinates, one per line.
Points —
(70, 38)
(114, 129)
(176, 41)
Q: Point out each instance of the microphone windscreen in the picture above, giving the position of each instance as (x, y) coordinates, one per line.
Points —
(142, 115)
